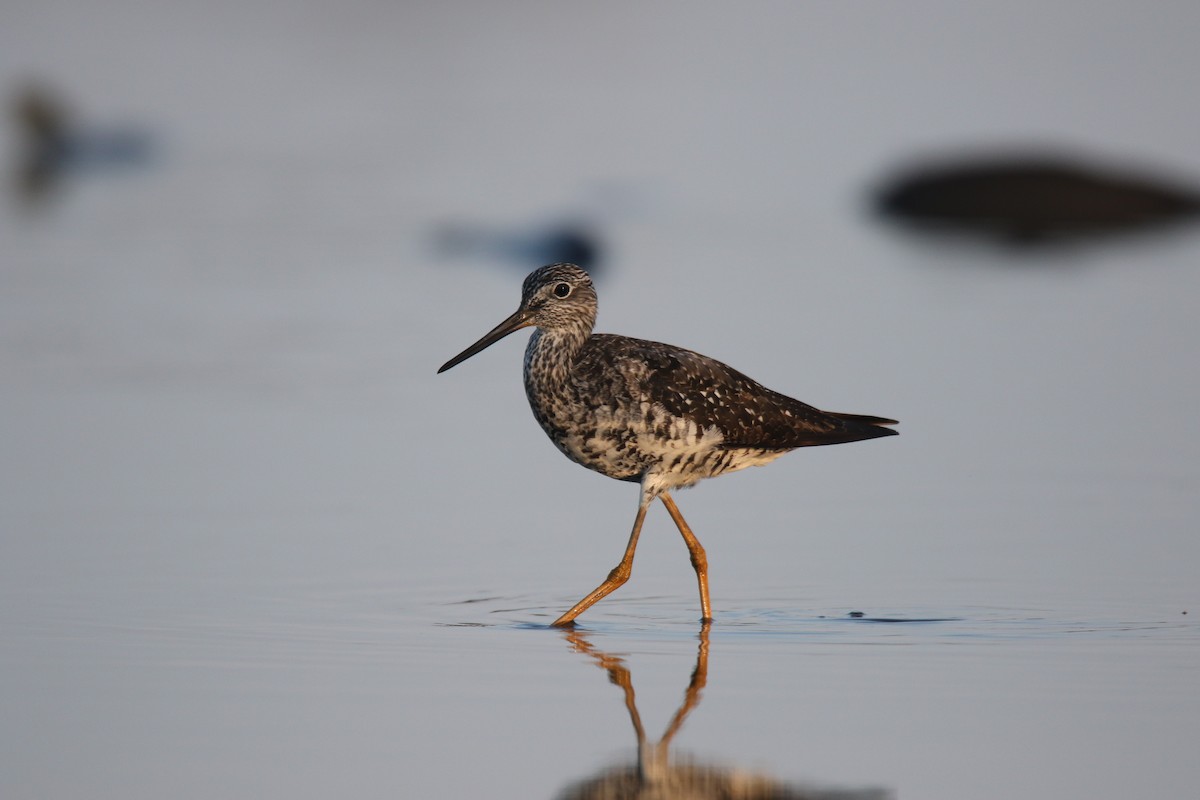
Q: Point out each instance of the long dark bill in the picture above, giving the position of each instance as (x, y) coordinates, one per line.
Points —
(521, 319)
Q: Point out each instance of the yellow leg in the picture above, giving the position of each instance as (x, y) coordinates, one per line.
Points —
(619, 574)
(699, 558)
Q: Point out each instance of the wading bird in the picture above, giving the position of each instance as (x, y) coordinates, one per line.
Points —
(650, 413)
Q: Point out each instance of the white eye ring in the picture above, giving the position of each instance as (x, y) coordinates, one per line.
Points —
(562, 290)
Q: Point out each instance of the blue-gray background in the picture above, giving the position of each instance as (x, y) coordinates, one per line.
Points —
(241, 519)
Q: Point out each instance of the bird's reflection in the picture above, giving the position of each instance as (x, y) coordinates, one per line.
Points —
(656, 776)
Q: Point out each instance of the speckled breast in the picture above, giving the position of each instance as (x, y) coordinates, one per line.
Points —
(590, 434)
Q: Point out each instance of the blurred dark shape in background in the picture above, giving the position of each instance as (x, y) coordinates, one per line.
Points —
(571, 241)
(1032, 198)
(657, 776)
(51, 144)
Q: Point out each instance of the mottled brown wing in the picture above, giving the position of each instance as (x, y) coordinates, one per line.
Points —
(710, 393)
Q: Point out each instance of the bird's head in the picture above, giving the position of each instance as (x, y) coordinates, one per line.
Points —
(557, 297)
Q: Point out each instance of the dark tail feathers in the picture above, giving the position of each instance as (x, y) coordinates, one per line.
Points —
(866, 426)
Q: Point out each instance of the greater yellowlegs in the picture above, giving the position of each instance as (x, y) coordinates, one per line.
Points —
(650, 413)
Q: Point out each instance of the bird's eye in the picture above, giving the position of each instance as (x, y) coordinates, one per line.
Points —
(562, 290)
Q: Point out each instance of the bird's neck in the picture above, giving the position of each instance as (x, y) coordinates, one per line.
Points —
(551, 354)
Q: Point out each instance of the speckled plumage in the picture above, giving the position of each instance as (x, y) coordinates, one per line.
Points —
(648, 412)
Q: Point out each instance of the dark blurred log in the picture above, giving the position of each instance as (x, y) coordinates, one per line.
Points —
(1032, 199)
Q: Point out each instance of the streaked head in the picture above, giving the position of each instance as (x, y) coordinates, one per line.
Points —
(554, 297)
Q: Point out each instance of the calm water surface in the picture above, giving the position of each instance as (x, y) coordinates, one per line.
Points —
(251, 545)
